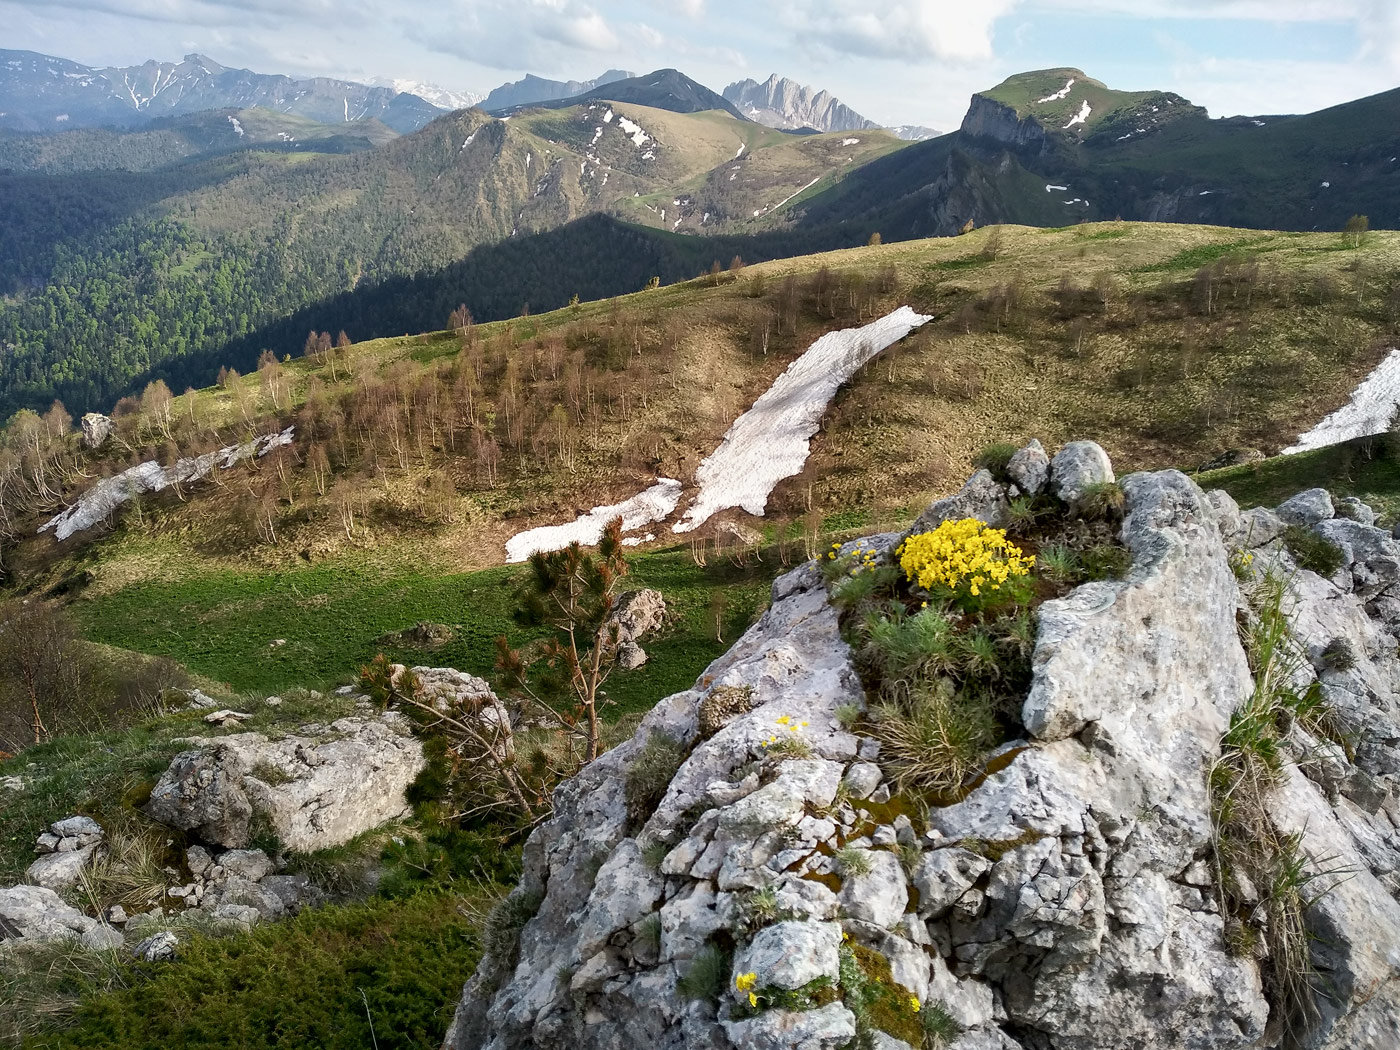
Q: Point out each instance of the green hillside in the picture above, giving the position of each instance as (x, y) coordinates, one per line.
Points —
(110, 276)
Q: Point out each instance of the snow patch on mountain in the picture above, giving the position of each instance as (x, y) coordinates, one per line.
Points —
(1057, 95)
(772, 439)
(650, 505)
(97, 503)
(1081, 116)
(1369, 411)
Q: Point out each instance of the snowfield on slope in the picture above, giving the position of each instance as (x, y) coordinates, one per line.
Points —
(98, 503)
(1370, 410)
(772, 439)
(649, 505)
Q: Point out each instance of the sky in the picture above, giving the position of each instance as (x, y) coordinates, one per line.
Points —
(894, 61)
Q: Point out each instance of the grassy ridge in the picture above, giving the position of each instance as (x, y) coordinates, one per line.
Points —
(1368, 468)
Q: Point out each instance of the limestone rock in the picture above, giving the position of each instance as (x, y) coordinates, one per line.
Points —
(1354, 509)
(38, 913)
(1029, 468)
(1306, 508)
(158, 947)
(60, 871)
(828, 1028)
(250, 864)
(1076, 467)
(880, 896)
(981, 497)
(638, 614)
(789, 955)
(330, 788)
(630, 655)
(97, 428)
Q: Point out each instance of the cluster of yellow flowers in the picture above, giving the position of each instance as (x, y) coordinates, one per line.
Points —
(863, 560)
(784, 722)
(745, 982)
(965, 552)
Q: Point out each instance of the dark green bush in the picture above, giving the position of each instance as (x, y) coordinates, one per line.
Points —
(1338, 655)
(1102, 500)
(1311, 551)
(296, 984)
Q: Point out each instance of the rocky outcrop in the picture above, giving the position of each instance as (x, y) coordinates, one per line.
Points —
(37, 913)
(65, 851)
(988, 119)
(316, 789)
(782, 103)
(1067, 901)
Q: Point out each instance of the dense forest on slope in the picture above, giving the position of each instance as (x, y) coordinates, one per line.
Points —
(109, 277)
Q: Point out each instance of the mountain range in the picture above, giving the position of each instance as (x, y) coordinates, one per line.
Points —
(198, 240)
(43, 93)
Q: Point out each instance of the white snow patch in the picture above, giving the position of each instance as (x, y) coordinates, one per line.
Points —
(1050, 187)
(771, 440)
(1081, 116)
(648, 155)
(741, 151)
(1057, 95)
(1326, 185)
(468, 141)
(1258, 123)
(1370, 410)
(1205, 193)
(789, 197)
(608, 116)
(649, 505)
(850, 142)
(98, 502)
(238, 127)
(639, 137)
(637, 541)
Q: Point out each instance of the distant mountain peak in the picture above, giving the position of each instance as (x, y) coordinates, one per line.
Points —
(1066, 103)
(783, 103)
(531, 89)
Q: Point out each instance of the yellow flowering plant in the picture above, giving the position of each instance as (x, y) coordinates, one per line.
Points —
(969, 561)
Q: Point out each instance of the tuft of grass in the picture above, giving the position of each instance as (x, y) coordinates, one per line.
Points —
(939, 1027)
(1058, 563)
(1102, 500)
(1106, 561)
(649, 776)
(848, 715)
(1337, 655)
(707, 977)
(654, 852)
(935, 741)
(1313, 552)
(854, 863)
(501, 935)
(995, 458)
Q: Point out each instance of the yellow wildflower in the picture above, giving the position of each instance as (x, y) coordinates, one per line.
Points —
(914, 1003)
(784, 719)
(963, 555)
(753, 999)
(745, 981)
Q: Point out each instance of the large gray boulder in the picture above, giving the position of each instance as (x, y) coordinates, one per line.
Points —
(1029, 468)
(315, 791)
(38, 914)
(1307, 508)
(1076, 467)
(97, 428)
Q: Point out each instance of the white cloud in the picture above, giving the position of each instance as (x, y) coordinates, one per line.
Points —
(689, 8)
(903, 29)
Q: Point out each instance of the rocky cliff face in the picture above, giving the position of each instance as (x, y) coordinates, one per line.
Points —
(989, 119)
(1068, 900)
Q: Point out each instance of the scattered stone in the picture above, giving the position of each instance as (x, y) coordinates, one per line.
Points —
(116, 915)
(224, 717)
(638, 614)
(789, 955)
(38, 913)
(862, 779)
(159, 947)
(630, 656)
(1354, 509)
(60, 871)
(102, 938)
(422, 635)
(250, 864)
(74, 827)
(1231, 457)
